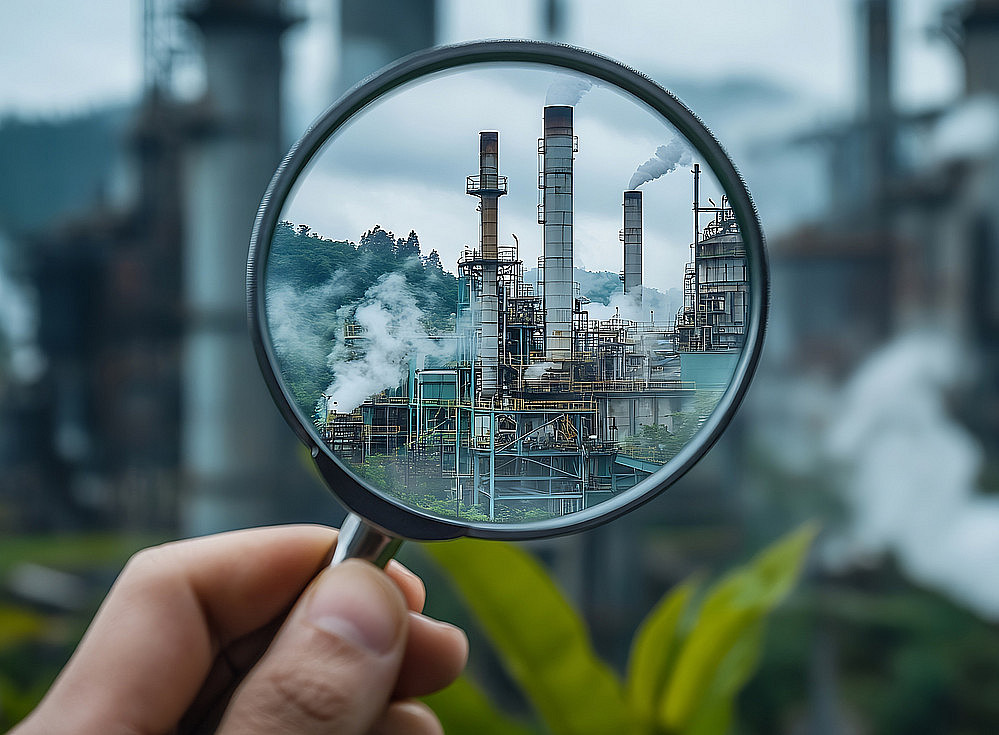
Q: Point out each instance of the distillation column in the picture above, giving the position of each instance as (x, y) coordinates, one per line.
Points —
(556, 149)
(632, 237)
(489, 186)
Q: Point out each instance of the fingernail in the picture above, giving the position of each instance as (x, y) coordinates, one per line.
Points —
(353, 603)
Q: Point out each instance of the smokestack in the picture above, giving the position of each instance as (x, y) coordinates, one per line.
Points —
(632, 237)
(879, 153)
(557, 148)
(235, 447)
(489, 186)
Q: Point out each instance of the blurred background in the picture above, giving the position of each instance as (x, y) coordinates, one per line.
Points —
(136, 139)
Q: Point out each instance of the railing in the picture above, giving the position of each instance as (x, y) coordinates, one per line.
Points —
(646, 454)
(383, 430)
(383, 400)
(608, 386)
(488, 183)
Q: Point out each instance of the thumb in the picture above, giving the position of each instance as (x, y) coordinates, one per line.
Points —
(334, 663)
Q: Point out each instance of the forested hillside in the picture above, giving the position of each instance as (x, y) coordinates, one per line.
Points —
(314, 282)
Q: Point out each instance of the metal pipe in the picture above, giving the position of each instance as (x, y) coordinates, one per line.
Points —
(358, 540)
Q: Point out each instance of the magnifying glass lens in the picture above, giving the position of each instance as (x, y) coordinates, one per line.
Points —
(506, 294)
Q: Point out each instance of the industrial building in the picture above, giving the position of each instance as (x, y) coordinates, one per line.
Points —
(536, 409)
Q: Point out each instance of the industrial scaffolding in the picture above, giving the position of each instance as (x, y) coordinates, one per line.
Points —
(538, 407)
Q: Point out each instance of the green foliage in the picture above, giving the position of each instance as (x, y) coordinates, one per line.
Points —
(440, 504)
(720, 652)
(660, 444)
(654, 651)
(311, 279)
(688, 660)
(540, 636)
(18, 626)
(463, 708)
(34, 645)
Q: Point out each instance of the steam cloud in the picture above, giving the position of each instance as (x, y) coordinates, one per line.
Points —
(296, 335)
(391, 322)
(911, 474)
(666, 159)
(567, 91)
(537, 370)
(637, 305)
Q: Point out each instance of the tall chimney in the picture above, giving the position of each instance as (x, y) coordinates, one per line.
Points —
(489, 186)
(632, 237)
(880, 142)
(235, 447)
(557, 148)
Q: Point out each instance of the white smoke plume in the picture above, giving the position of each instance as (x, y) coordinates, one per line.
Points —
(567, 91)
(621, 305)
(291, 318)
(391, 322)
(639, 306)
(911, 474)
(665, 160)
(537, 370)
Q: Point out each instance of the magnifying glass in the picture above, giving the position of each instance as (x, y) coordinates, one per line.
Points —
(506, 290)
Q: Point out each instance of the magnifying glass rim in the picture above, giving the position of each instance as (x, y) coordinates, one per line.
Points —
(401, 520)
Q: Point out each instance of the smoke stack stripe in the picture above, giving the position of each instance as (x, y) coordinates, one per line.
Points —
(556, 181)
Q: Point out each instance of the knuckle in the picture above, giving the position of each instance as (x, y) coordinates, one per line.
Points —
(306, 695)
(146, 563)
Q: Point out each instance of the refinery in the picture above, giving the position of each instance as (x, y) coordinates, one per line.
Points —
(530, 407)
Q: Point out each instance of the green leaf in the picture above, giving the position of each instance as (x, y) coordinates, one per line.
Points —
(722, 649)
(462, 707)
(653, 652)
(715, 718)
(538, 634)
(768, 578)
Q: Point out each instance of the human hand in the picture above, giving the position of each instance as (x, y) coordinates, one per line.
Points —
(238, 631)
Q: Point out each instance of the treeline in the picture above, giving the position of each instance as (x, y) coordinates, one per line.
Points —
(305, 259)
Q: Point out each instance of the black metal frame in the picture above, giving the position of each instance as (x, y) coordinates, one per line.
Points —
(389, 515)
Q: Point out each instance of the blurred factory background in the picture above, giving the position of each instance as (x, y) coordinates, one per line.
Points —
(130, 401)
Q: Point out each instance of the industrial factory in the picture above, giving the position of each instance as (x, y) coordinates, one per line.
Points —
(532, 408)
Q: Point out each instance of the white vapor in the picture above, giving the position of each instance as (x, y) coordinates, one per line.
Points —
(537, 370)
(665, 160)
(296, 334)
(638, 306)
(911, 474)
(391, 322)
(567, 91)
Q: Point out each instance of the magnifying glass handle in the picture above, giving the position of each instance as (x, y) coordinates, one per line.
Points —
(358, 540)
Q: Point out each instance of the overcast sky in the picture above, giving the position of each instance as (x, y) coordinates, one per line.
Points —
(403, 165)
(61, 56)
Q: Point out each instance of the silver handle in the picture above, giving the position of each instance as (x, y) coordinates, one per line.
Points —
(358, 540)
